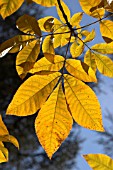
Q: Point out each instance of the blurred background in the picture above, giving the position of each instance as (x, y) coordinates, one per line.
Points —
(31, 155)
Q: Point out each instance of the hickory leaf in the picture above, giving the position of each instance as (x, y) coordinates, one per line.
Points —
(7, 7)
(80, 70)
(90, 36)
(43, 65)
(83, 104)
(76, 49)
(47, 3)
(32, 94)
(27, 57)
(48, 46)
(99, 161)
(54, 122)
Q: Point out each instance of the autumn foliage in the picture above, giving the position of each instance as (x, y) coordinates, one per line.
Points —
(57, 86)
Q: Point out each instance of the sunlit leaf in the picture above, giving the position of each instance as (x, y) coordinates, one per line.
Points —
(3, 129)
(46, 3)
(106, 29)
(90, 36)
(15, 44)
(32, 94)
(28, 25)
(3, 154)
(80, 70)
(76, 18)
(66, 11)
(27, 57)
(54, 122)
(44, 65)
(8, 7)
(99, 161)
(89, 59)
(103, 48)
(9, 138)
(83, 104)
(104, 64)
(76, 49)
(48, 46)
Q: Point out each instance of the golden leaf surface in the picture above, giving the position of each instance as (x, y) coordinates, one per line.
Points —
(106, 29)
(99, 161)
(8, 7)
(48, 46)
(80, 70)
(83, 104)
(44, 65)
(103, 48)
(27, 57)
(47, 3)
(76, 49)
(76, 18)
(90, 36)
(54, 122)
(32, 94)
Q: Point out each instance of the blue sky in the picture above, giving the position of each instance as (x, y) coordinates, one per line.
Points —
(105, 99)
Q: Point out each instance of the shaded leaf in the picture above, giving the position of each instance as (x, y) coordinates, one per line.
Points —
(27, 57)
(54, 122)
(99, 161)
(15, 44)
(28, 25)
(8, 7)
(32, 94)
(83, 104)
(80, 70)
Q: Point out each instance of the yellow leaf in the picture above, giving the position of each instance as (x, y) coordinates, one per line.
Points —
(90, 36)
(15, 44)
(85, 33)
(3, 154)
(32, 94)
(103, 48)
(83, 104)
(44, 65)
(76, 49)
(27, 57)
(104, 64)
(9, 138)
(54, 122)
(106, 29)
(99, 161)
(76, 18)
(80, 70)
(28, 25)
(3, 129)
(88, 5)
(89, 59)
(66, 11)
(47, 46)
(8, 7)
(46, 3)
(56, 23)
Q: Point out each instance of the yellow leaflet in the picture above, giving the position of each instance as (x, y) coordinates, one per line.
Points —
(83, 103)
(98, 12)
(87, 5)
(9, 138)
(27, 57)
(28, 25)
(85, 33)
(76, 18)
(89, 59)
(32, 94)
(54, 122)
(99, 161)
(103, 48)
(44, 65)
(3, 154)
(107, 6)
(3, 129)
(76, 49)
(8, 7)
(65, 38)
(80, 70)
(47, 3)
(47, 46)
(56, 23)
(66, 11)
(104, 64)
(15, 44)
(106, 29)
(90, 36)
